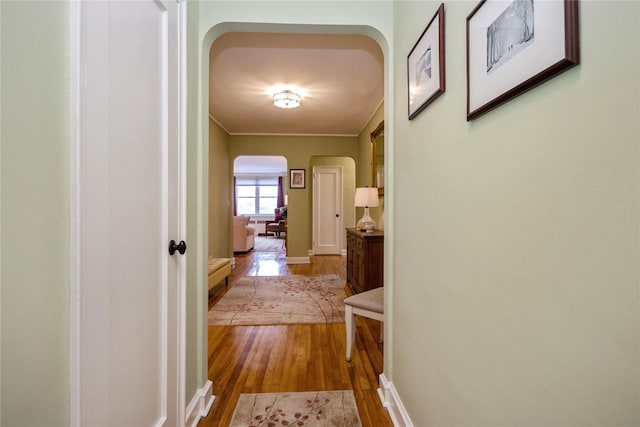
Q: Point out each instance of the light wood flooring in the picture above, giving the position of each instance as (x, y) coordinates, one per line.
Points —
(292, 358)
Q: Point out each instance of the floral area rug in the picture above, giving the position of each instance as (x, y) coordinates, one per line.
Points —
(269, 244)
(310, 409)
(278, 300)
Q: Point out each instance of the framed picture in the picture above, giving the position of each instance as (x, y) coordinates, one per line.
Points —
(513, 46)
(296, 178)
(425, 65)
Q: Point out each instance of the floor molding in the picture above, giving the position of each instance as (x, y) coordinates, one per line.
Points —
(200, 405)
(391, 401)
(299, 260)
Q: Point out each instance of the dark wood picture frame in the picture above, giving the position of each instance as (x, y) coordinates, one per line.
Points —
(535, 67)
(425, 59)
(297, 178)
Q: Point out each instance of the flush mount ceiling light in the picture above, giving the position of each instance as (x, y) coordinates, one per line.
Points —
(286, 99)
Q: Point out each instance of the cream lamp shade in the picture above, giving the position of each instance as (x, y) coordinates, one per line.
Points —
(366, 197)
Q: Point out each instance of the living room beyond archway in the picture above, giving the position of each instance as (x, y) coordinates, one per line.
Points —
(259, 196)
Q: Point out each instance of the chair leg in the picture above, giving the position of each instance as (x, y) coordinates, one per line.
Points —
(350, 320)
(381, 332)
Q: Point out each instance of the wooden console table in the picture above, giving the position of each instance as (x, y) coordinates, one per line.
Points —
(365, 259)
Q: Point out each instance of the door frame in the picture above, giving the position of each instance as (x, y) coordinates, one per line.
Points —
(79, 96)
(314, 208)
(208, 35)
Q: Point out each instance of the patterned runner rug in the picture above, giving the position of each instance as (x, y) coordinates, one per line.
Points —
(310, 409)
(279, 300)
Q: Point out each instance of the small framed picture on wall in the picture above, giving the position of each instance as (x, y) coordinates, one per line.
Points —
(296, 178)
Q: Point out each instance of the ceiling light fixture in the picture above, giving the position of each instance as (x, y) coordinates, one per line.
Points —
(286, 99)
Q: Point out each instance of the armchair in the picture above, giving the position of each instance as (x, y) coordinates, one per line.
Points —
(279, 224)
(243, 234)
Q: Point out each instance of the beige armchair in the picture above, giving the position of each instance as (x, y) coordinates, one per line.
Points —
(243, 234)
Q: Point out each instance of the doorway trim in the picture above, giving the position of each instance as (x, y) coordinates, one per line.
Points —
(79, 96)
(205, 40)
(316, 206)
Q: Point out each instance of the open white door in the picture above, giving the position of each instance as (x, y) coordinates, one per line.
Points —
(126, 347)
(327, 210)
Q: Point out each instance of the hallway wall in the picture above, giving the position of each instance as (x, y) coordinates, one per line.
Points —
(220, 204)
(517, 267)
(34, 212)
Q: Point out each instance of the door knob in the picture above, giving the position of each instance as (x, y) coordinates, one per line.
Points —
(180, 247)
(337, 215)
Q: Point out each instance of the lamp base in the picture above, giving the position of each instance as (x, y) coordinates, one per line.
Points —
(367, 229)
(366, 224)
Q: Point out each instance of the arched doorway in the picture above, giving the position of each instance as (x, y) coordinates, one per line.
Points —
(219, 29)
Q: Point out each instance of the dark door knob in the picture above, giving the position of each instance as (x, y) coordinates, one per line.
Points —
(337, 215)
(180, 247)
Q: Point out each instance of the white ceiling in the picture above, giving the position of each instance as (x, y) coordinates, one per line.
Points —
(341, 77)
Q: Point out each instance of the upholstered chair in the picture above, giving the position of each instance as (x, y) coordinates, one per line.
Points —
(244, 238)
(279, 224)
(367, 304)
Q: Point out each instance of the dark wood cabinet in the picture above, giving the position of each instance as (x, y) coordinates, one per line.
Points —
(365, 259)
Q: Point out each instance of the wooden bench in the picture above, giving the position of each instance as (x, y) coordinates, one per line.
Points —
(219, 268)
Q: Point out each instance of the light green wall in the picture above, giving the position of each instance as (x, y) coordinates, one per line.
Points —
(34, 211)
(364, 166)
(196, 352)
(516, 297)
(220, 180)
(299, 151)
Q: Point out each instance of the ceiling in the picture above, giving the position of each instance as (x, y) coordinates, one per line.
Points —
(341, 77)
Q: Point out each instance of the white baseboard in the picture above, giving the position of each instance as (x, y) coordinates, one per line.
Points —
(343, 252)
(299, 260)
(200, 405)
(391, 400)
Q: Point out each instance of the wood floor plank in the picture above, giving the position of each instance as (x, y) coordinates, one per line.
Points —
(292, 358)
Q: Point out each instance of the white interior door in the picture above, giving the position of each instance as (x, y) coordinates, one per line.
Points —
(129, 207)
(327, 210)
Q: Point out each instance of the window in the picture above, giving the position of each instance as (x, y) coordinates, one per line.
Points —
(256, 196)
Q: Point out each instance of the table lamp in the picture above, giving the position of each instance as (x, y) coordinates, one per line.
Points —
(366, 197)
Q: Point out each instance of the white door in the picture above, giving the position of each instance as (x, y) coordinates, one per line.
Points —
(130, 203)
(327, 210)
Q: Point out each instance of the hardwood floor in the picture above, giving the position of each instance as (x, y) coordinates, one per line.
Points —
(282, 358)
